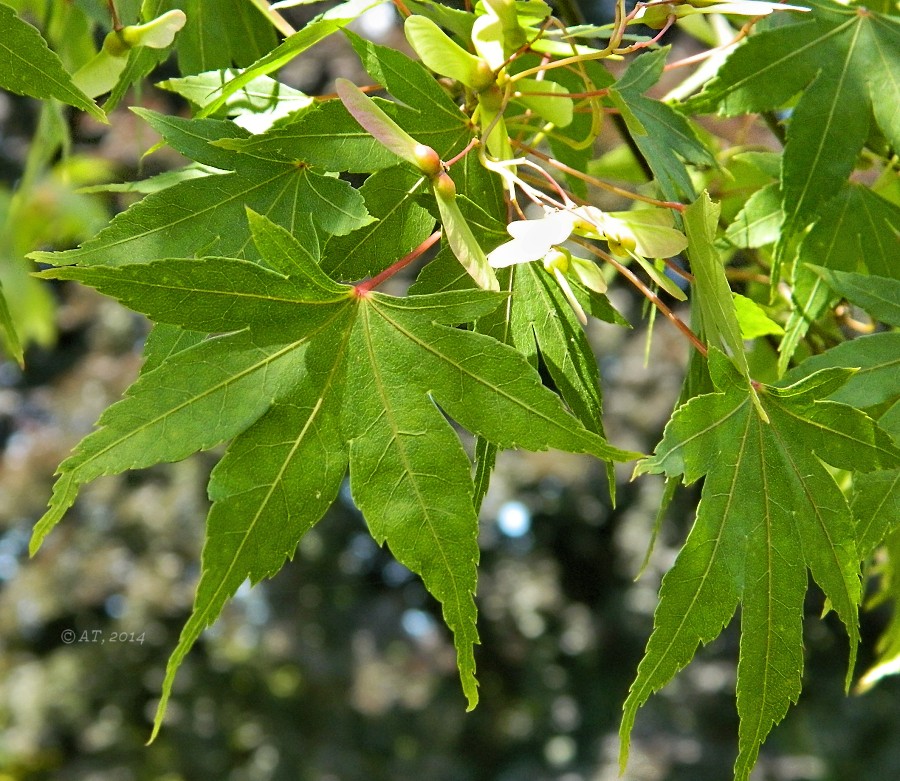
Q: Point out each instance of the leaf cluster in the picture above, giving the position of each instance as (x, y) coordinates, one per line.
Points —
(259, 265)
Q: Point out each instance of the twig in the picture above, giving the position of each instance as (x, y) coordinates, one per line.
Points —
(364, 288)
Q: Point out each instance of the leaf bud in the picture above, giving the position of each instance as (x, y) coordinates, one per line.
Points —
(428, 161)
(444, 186)
(557, 259)
(656, 16)
(621, 246)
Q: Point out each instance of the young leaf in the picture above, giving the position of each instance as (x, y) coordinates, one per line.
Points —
(752, 318)
(555, 108)
(29, 67)
(769, 511)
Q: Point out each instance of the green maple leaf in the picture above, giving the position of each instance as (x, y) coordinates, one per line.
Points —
(401, 225)
(664, 137)
(29, 67)
(855, 230)
(221, 33)
(312, 379)
(843, 60)
(769, 511)
(206, 215)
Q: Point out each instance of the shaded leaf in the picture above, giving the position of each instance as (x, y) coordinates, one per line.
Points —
(854, 233)
(845, 62)
(879, 296)
(221, 33)
(876, 357)
(29, 67)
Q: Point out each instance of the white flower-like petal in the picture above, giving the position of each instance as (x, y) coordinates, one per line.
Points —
(532, 239)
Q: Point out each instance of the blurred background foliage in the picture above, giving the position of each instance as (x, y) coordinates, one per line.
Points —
(339, 669)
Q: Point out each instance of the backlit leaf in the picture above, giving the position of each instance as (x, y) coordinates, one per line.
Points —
(769, 511)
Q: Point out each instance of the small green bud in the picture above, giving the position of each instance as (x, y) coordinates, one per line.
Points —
(483, 77)
(115, 45)
(427, 160)
(656, 16)
(621, 247)
(557, 259)
(444, 186)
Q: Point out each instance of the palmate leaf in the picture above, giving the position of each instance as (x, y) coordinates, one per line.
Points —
(769, 511)
(206, 215)
(221, 33)
(665, 138)
(318, 380)
(844, 59)
(856, 230)
(29, 67)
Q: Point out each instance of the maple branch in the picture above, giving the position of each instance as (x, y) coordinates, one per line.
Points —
(706, 54)
(679, 207)
(401, 7)
(114, 13)
(469, 147)
(364, 288)
(643, 44)
(648, 294)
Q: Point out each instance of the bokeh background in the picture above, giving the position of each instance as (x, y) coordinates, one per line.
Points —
(339, 668)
